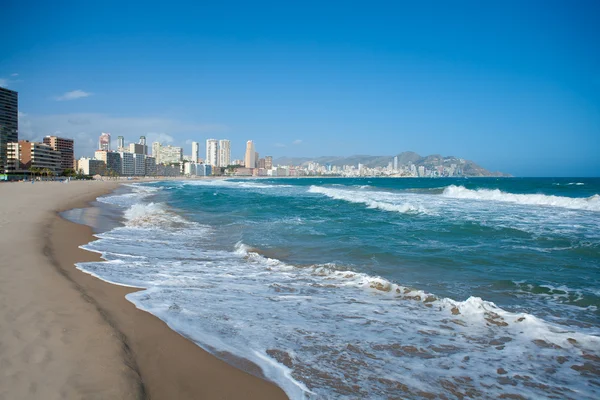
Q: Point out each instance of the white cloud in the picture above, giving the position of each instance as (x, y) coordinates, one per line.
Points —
(73, 95)
(296, 142)
(85, 128)
(3, 82)
(279, 145)
(15, 74)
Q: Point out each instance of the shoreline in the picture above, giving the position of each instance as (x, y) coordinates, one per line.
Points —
(119, 351)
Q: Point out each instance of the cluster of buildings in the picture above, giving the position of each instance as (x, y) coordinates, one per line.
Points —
(52, 156)
(55, 155)
(391, 170)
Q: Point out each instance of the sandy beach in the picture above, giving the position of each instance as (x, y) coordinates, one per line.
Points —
(67, 335)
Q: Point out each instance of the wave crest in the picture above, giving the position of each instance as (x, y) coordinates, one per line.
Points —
(380, 200)
(591, 203)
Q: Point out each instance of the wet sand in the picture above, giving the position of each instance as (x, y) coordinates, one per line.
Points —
(66, 334)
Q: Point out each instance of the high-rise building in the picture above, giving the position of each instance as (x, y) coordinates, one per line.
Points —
(127, 163)
(224, 153)
(24, 154)
(256, 158)
(195, 151)
(169, 155)
(261, 163)
(250, 159)
(143, 143)
(212, 152)
(111, 159)
(104, 142)
(90, 166)
(268, 162)
(396, 163)
(9, 122)
(136, 148)
(156, 151)
(120, 143)
(139, 164)
(150, 166)
(66, 149)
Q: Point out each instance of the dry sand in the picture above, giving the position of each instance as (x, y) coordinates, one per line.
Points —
(66, 334)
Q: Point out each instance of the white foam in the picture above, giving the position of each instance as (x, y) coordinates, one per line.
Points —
(591, 203)
(244, 184)
(381, 200)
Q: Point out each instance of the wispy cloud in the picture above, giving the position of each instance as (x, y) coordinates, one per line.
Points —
(297, 142)
(3, 82)
(279, 145)
(14, 74)
(85, 128)
(73, 95)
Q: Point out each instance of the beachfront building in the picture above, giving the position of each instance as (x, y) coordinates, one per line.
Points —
(9, 123)
(23, 155)
(169, 154)
(250, 159)
(111, 159)
(203, 170)
(127, 163)
(104, 142)
(195, 151)
(65, 147)
(150, 166)
(212, 152)
(90, 166)
(168, 170)
(139, 164)
(224, 153)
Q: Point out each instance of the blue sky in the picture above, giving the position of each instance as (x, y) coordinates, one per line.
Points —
(511, 85)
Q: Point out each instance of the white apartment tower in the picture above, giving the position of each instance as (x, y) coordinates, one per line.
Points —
(156, 151)
(195, 151)
(224, 153)
(250, 159)
(212, 152)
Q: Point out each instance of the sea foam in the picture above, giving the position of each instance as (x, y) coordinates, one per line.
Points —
(372, 199)
(591, 203)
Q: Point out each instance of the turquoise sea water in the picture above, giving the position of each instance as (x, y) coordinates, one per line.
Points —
(374, 287)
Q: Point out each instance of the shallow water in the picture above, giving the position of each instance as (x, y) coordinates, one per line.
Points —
(374, 287)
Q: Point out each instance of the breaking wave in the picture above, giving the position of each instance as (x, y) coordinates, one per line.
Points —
(591, 203)
(380, 200)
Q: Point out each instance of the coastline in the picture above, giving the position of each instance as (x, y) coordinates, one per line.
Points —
(113, 349)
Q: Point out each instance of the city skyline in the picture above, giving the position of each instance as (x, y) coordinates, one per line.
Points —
(488, 82)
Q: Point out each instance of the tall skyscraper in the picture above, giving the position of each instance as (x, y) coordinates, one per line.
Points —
(268, 162)
(120, 143)
(224, 153)
(104, 142)
(212, 152)
(143, 143)
(396, 163)
(9, 122)
(156, 151)
(195, 151)
(250, 159)
(66, 149)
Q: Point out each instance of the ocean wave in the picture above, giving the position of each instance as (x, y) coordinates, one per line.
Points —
(137, 193)
(379, 200)
(591, 203)
(246, 184)
(326, 331)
